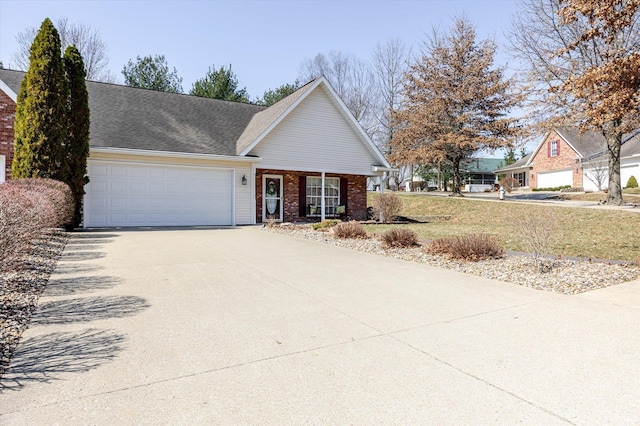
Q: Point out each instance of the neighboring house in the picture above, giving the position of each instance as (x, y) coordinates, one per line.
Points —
(160, 159)
(477, 176)
(478, 173)
(520, 170)
(565, 157)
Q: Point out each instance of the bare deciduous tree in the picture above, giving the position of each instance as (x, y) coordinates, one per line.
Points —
(390, 62)
(583, 68)
(596, 171)
(88, 41)
(456, 103)
(350, 77)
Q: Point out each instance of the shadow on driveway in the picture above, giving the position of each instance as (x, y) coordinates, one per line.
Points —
(44, 358)
(88, 309)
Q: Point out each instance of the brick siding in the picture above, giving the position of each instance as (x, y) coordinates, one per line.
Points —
(566, 160)
(7, 117)
(356, 195)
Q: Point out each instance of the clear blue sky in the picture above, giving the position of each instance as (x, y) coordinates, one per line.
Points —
(265, 41)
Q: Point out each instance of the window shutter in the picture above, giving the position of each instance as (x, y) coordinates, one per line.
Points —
(548, 148)
(344, 187)
(558, 148)
(302, 196)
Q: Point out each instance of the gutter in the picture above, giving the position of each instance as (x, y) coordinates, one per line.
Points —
(170, 154)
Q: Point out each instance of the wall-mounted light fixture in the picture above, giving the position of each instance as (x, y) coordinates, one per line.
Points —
(244, 179)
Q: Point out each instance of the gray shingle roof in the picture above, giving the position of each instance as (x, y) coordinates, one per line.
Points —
(263, 119)
(132, 118)
(517, 165)
(587, 143)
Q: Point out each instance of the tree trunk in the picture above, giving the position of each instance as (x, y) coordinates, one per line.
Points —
(614, 143)
(457, 191)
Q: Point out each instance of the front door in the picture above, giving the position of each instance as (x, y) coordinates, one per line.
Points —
(271, 197)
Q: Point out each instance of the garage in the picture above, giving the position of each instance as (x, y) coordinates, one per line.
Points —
(126, 194)
(554, 179)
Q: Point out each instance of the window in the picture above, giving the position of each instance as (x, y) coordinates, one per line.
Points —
(314, 196)
(553, 149)
(522, 178)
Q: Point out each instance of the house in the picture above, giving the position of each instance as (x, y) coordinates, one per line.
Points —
(566, 157)
(477, 176)
(166, 159)
(478, 173)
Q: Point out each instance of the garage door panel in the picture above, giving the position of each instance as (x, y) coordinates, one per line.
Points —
(554, 179)
(158, 195)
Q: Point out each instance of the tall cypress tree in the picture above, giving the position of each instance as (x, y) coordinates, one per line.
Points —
(41, 123)
(77, 148)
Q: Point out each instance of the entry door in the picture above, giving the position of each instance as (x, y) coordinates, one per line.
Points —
(272, 197)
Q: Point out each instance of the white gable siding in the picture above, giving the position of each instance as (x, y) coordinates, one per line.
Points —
(315, 136)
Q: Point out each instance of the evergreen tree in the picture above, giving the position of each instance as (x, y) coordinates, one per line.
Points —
(271, 97)
(220, 84)
(40, 123)
(152, 72)
(510, 157)
(77, 149)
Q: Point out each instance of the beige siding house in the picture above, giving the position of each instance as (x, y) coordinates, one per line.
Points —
(166, 159)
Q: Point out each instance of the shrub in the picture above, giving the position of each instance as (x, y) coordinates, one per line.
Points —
(399, 238)
(386, 207)
(509, 184)
(351, 229)
(325, 224)
(554, 188)
(271, 223)
(632, 182)
(539, 230)
(28, 207)
(57, 193)
(22, 214)
(472, 247)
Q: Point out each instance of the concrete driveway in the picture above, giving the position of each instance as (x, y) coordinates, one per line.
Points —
(242, 326)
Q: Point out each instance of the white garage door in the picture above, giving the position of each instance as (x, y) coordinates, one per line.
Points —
(554, 179)
(123, 194)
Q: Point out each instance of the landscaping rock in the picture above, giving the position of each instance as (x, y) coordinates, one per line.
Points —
(564, 276)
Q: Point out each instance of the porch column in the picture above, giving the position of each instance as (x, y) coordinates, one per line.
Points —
(322, 204)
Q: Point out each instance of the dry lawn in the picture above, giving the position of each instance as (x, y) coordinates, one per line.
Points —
(590, 233)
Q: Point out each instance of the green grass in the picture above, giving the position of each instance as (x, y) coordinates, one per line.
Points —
(601, 234)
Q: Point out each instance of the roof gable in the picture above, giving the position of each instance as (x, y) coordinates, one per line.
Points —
(265, 122)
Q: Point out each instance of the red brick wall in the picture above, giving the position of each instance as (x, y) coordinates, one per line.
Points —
(566, 159)
(356, 194)
(7, 116)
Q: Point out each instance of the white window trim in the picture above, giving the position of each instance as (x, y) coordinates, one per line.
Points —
(3, 165)
(323, 197)
(264, 196)
(553, 152)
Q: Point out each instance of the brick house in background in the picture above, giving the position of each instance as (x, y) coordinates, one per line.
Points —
(166, 159)
(7, 116)
(565, 157)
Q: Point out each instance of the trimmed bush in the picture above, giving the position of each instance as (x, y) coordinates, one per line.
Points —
(399, 238)
(387, 206)
(632, 182)
(325, 225)
(57, 193)
(472, 247)
(509, 184)
(554, 188)
(351, 229)
(28, 208)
